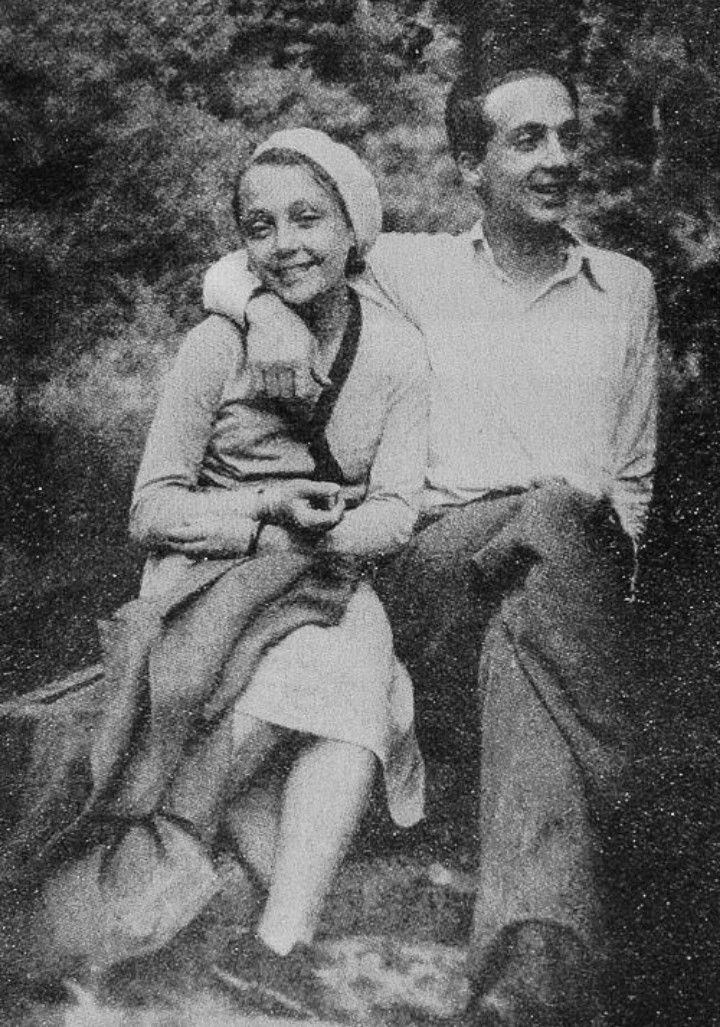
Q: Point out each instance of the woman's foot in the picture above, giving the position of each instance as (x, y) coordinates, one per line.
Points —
(271, 983)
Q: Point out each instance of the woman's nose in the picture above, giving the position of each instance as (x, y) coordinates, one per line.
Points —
(285, 237)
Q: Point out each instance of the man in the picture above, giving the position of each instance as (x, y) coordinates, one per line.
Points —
(543, 419)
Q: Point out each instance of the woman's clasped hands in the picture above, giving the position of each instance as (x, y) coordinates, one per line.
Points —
(296, 513)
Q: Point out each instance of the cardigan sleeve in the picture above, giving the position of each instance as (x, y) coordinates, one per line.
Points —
(170, 511)
(384, 521)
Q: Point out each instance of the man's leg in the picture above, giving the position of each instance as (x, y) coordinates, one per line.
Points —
(554, 729)
(556, 671)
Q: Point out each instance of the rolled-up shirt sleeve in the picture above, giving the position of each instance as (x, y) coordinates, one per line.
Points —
(396, 276)
(170, 510)
(228, 286)
(636, 433)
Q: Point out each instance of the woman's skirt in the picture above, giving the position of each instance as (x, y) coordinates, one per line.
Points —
(346, 683)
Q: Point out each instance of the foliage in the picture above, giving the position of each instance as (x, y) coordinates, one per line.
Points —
(124, 124)
(123, 127)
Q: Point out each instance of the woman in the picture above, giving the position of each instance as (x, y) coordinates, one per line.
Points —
(253, 688)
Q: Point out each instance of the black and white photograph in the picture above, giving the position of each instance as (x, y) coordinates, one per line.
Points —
(359, 507)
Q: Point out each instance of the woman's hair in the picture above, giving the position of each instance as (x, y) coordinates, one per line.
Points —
(290, 158)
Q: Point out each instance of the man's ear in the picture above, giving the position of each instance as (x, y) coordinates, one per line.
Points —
(470, 169)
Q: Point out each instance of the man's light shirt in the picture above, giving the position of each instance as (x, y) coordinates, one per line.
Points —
(559, 383)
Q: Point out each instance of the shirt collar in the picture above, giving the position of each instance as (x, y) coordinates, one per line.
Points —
(580, 257)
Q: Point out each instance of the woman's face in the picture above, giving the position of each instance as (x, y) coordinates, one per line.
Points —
(294, 230)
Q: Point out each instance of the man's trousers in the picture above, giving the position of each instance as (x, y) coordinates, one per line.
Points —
(525, 594)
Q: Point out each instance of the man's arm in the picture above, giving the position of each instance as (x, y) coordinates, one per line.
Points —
(636, 434)
(228, 286)
(280, 349)
(395, 276)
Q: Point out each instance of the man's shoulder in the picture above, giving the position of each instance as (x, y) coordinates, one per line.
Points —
(417, 244)
(388, 333)
(617, 271)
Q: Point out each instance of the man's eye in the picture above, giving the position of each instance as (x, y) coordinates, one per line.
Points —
(526, 142)
(570, 138)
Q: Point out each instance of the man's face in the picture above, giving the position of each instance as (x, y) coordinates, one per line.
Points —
(530, 166)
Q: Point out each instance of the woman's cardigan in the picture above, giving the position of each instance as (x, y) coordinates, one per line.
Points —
(211, 446)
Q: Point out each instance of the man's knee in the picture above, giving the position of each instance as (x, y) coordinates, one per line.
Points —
(573, 532)
(558, 510)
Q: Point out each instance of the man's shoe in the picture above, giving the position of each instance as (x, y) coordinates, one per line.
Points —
(541, 976)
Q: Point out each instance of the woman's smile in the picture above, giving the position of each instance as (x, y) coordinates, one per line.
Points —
(291, 273)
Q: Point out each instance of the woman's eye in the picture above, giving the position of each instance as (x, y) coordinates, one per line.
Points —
(307, 220)
(257, 230)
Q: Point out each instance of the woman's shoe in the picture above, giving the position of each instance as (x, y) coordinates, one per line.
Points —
(271, 983)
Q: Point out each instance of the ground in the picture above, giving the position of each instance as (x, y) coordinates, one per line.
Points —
(390, 950)
(393, 937)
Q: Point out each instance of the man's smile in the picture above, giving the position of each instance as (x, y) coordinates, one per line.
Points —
(555, 191)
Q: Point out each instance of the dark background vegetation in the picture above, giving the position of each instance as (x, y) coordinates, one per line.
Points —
(122, 125)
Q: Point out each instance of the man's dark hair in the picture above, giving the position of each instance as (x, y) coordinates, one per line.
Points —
(469, 130)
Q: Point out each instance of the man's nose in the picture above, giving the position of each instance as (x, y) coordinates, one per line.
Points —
(557, 153)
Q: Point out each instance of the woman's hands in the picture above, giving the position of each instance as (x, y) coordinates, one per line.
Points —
(302, 505)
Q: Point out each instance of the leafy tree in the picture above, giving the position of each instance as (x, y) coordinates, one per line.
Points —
(123, 125)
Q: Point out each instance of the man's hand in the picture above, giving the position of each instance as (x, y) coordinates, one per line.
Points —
(311, 507)
(280, 352)
(591, 487)
(273, 539)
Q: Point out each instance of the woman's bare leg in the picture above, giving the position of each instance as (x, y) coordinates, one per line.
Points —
(325, 796)
(294, 839)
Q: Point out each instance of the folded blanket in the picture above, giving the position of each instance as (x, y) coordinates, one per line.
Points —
(175, 665)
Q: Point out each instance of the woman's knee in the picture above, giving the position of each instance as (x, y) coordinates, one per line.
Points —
(252, 733)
